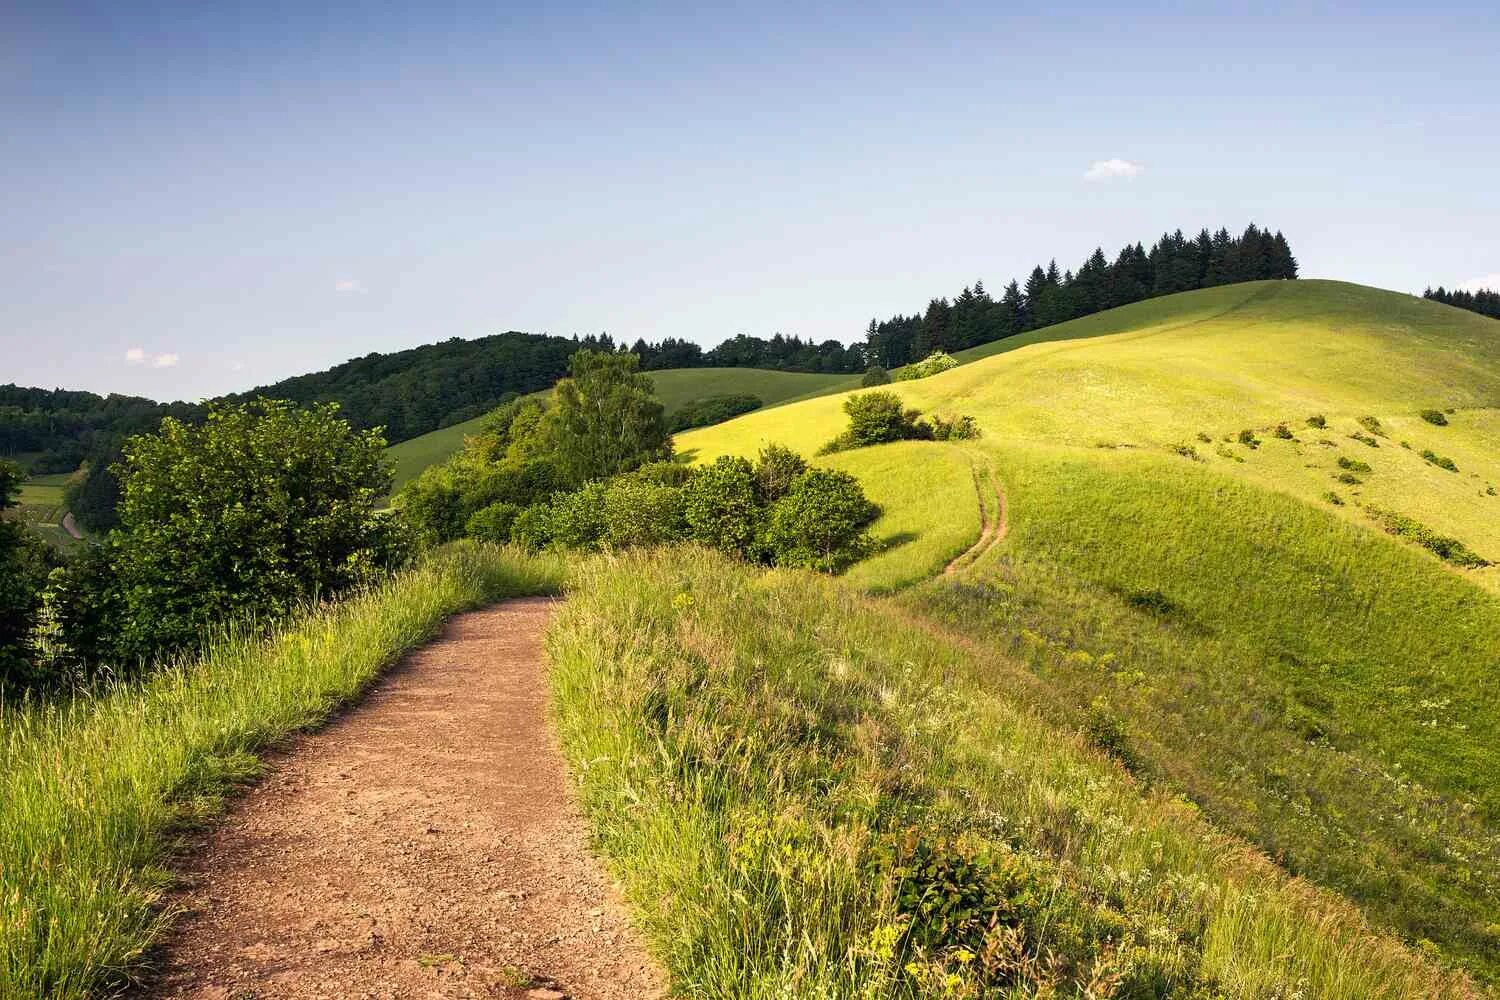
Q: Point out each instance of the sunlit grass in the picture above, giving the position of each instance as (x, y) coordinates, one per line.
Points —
(92, 789)
(749, 745)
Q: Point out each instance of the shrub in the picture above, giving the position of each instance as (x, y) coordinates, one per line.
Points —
(1334, 498)
(576, 520)
(1204, 438)
(1440, 461)
(1317, 420)
(712, 410)
(1435, 417)
(1448, 549)
(1105, 731)
(259, 509)
(532, 527)
(720, 508)
(666, 473)
(820, 523)
(637, 512)
(1283, 432)
(958, 429)
(1372, 425)
(1353, 464)
(878, 417)
(775, 470)
(1348, 478)
(493, 523)
(1224, 452)
(875, 375)
(1365, 439)
(1248, 439)
(934, 364)
(1187, 451)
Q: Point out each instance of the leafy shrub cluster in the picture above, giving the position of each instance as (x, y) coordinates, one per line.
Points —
(875, 375)
(1365, 439)
(1317, 420)
(713, 410)
(879, 418)
(1450, 550)
(1435, 417)
(934, 364)
(1441, 461)
(1248, 439)
(775, 511)
(1283, 432)
(1353, 464)
(1372, 424)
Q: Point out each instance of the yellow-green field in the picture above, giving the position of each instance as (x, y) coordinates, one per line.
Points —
(674, 387)
(40, 505)
(1325, 690)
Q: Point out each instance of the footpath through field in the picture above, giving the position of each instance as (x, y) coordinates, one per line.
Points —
(424, 845)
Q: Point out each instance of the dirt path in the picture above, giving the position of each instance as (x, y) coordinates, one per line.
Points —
(71, 527)
(993, 524)
(424, 845)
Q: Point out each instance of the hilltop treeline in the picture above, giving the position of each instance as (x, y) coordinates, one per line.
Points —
(60, 428)
(780, 352)
(1175, 263)
(1486, 302)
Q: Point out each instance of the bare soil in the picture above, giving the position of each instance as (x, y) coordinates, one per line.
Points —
(423, 845)
(994, 523)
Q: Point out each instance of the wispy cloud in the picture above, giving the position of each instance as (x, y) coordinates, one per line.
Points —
(1490, 281)
(348, 285)
(1104, 170)
(140, 356)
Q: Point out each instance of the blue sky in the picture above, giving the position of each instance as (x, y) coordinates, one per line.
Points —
(203, 198)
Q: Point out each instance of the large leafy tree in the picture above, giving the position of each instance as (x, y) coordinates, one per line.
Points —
(260, 507)
(605, 418)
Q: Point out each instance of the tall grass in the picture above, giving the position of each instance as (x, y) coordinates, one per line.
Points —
(93, 789)
(807, 797)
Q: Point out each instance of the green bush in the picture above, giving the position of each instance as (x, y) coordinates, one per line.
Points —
(532, 528)
(23, 571)
(1248, 439)
(1435, 417)
(879, 417)
(1365, 439)
(1334, 498)
(1283, 432)
(1353, 464)
(958, 429)
(577, 518)
(875, 375)
(719, 504)
(1317, 420)
(259, 509)
(1440, 461)
(712, 410)
(638, 512)
(1348, 478)
(934, 364)
(775, 470)
(665, 473)
(493, 523)
(1448, 549)
(820, 523)
(1372, 424)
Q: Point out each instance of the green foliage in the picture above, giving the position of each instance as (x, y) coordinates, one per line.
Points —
(1365, 439)
(721, 508)
(776, 469)
(493, 523)
(1106, 732)
(1354, 465)
(1248, 439)
(259, 509)
(576, 519)
(1348, 478)
(820, 523)
(875, 375)
(878, 417)
(23, 571)
(1317, 420)
(640, 512)
(532, 528)
(1283, 432)
(1187, 451)
(1334, 498)
(605, 418)
(957, 429)
(712, 410)
(1441, 461)
(1373, 425)
(1448, 549)
(934, 364)
(1435, 417)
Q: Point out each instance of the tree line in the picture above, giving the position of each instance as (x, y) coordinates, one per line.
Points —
(1485, 302)
(1175, 263)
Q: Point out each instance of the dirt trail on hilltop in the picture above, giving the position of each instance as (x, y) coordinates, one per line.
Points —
(423, 845)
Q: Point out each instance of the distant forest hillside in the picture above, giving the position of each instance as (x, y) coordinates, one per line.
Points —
(424, 388)
(1486, 301)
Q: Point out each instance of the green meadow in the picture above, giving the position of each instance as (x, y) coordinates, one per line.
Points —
(1227, 608)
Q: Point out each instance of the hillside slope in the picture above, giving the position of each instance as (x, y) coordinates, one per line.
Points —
(1326, 690)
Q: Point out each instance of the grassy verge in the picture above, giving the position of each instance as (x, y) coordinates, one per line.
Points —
(807, 797)
(92, 790)
(1317, 689)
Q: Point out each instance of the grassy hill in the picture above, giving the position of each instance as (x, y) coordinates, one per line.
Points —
(676, 387)
(1199, 604)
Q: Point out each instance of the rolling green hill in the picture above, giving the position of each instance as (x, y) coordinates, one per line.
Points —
(1325, 689)
(675, 387)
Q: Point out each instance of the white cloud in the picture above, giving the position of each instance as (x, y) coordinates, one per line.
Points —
(348, 285)
(140, 356)
(1490, 281)
(1103, 170)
